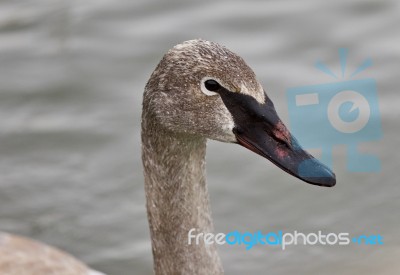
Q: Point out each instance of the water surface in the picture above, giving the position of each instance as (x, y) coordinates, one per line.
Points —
(72, 75)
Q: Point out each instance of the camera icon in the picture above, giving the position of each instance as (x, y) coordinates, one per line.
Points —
(322, 116)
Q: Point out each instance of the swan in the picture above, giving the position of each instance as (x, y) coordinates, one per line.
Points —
(201, 90)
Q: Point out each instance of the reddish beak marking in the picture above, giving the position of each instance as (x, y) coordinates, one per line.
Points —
(282, 133)
(280, 153)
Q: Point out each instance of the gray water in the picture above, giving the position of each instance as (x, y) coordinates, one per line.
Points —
(72, 75)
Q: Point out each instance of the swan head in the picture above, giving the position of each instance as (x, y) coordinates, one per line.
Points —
(202, 89)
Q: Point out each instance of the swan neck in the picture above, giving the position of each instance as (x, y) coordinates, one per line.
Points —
(177, 200)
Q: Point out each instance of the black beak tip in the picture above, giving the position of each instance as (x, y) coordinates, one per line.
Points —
(325, 182)
(314, 172)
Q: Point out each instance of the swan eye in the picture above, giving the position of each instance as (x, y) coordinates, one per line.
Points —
(209, 86)
(212, 85)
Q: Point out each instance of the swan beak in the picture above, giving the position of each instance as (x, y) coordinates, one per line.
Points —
(259, 129)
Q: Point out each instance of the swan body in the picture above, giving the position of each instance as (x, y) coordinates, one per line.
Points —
(202, 90)
(22, 256)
